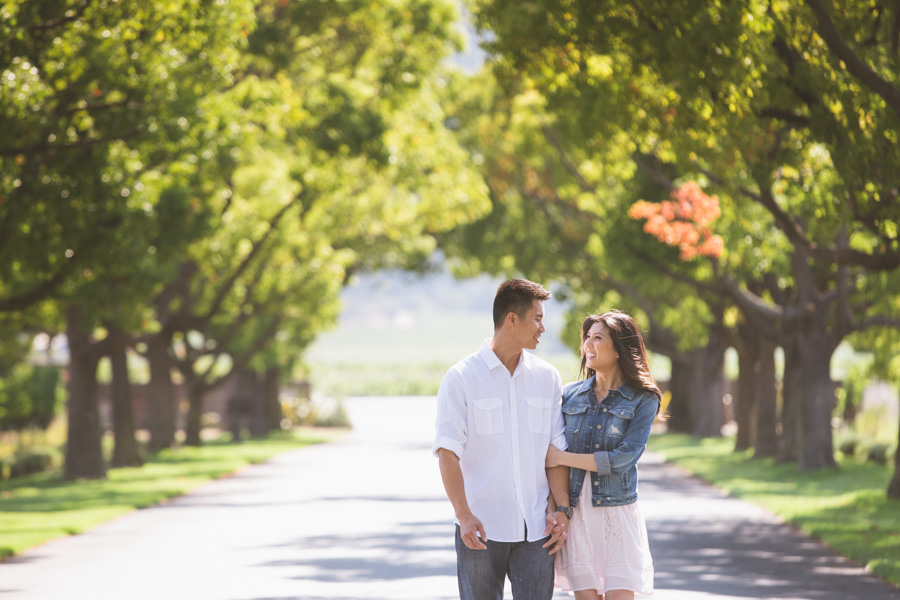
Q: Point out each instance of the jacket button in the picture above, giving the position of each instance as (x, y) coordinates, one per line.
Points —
(596, 483)
(596, 445)
(605, 409)
(599, 426)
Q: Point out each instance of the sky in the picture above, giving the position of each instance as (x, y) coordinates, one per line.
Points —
(473, 56)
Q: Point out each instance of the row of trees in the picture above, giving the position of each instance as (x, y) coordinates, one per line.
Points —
(789, 113)
(196, 181)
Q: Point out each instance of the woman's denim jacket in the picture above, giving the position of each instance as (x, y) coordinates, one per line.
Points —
(616, 433)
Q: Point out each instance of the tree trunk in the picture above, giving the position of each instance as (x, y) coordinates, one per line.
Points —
(679, 409)
(893, 490)
(817, 445)
(125, 451)
(161, 402)
(746, 401)
(271, 400)
(756, 405)
(766, 442)
(259, 418)
(791, 401)
(84, 449)
(709, 381)
(698, 385)
(196, 392)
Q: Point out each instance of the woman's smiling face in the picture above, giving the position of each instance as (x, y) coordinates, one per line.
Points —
(599, 352)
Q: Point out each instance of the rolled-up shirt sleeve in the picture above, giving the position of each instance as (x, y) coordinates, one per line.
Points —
(558, 427)
(451, 426)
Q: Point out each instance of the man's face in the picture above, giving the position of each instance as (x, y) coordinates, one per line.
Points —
(530, 328)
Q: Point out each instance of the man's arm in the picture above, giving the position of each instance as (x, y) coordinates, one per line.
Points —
(469, 524)
(557, 522)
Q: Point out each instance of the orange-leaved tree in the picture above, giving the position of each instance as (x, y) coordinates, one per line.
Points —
(685, 221)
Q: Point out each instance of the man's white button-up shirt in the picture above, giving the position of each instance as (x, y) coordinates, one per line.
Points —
(500, 425)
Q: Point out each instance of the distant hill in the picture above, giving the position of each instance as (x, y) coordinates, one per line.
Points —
(393, 315)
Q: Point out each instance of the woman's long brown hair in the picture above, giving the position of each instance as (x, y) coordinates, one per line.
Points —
(629, 345)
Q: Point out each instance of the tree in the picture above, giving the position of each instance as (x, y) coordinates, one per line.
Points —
(97, 98)
(341, 163)
(772, 100)
(557, 218)
(884, 344)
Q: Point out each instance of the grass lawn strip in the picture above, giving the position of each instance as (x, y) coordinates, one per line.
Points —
(39, 508)
(847, 509)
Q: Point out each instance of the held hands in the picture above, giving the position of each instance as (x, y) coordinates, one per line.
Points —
(557, 524)
(469, 527)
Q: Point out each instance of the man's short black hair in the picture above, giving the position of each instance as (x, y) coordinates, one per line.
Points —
(516, 296)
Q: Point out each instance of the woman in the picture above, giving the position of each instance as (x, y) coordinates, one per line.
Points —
(608, 418)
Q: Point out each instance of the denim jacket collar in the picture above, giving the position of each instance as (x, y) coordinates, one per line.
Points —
(625, 389)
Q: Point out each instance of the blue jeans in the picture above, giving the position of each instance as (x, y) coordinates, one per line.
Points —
(482, 573)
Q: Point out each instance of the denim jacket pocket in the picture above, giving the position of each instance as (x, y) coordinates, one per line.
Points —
(538, 414)
(488, 415)
(619, 418)
(573, 415)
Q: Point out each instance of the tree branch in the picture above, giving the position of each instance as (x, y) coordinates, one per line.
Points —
(47, 287)
(229, 283)
(878, 321)
(895, 32)
(583, 183)
(37, 293)
(83, 143)
(239, 362)
(855, 65)
(655, 173)
(47, 25)
(884, 261)
(91, 108)
(792, 119)
(750, 303)
(844, 310)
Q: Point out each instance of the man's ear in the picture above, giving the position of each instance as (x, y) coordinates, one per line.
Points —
(512, 318)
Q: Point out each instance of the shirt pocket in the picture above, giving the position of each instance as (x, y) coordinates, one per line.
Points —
(538, 414)
(619, 420)
(488, 415)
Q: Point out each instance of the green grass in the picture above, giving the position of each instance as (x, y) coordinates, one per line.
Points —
(407, 357)
(42, 507)
(846, 509)
(340, 380)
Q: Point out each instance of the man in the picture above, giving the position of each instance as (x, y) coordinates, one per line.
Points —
(498, 411)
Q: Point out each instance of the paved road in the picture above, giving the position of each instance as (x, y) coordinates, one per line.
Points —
(366, 518)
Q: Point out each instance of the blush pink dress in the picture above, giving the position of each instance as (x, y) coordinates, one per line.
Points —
(606, 549)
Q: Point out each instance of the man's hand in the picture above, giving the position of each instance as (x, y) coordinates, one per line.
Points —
(557, 524)
(469, 526)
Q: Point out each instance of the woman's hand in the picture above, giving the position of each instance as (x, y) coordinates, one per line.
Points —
(554, 457)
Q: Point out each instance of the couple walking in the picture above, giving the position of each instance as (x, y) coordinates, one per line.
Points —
(543, 478)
